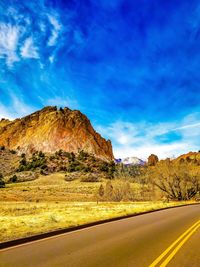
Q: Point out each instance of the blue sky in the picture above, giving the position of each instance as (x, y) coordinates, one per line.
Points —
(131, 66)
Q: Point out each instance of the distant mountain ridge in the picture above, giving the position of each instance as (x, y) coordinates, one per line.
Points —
(51, 129)
(131, 161)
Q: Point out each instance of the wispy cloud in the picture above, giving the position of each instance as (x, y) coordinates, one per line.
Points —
(16, 109)
(22, 39)
(5, 113)
(187, 126)
(56, 28)
(9, 38)
(142, 139)
(29, 50)
(51, 58)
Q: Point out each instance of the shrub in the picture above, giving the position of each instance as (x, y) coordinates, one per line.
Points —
(21, 168)
(82, 155)
(91, 178)
(44, 166)
(70, 178)
(37, 160)
(104, 167)
(41, 154)
(2, 183)
(43, 172)
(109, 190)
(66, 154)
(176, 181)
(58, 154)
(63, 168)
(101, 191)
(52, 157)
(87, 169)
(75, 166)
(13, 179)
(13, 152)
(72, 157)
(23, 162)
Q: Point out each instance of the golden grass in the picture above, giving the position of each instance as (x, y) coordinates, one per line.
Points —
(52, 188)
(21, 219)
(50, 203)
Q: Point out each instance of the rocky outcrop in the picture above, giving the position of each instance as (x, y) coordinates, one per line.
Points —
(52, 129)
(191, 157)
(152, 160)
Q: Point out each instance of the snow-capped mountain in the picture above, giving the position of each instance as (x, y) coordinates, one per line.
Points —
(130, 161)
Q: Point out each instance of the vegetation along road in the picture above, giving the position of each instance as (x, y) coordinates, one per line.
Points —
(163, 238)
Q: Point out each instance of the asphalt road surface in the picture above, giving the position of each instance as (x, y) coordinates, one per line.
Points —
(163, 238)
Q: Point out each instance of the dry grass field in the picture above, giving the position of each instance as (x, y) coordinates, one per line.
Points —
(20, 219)
(53, 188)
(50, 203)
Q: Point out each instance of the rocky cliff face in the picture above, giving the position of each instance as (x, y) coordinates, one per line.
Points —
(191, 157)
(51, 129)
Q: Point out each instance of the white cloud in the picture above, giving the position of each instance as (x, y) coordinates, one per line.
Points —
(20, 108)
(142, 139)
(5, 113)
(51, 59)
(28, 50)
(16, 109)
(9, 38)
(187, 126)
(145, 149)
(55, 30)
(42, 27)
(14, 44)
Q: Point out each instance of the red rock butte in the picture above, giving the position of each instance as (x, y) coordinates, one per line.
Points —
(51, 129)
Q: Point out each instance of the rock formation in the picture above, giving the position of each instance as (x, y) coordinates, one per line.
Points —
(52, 129)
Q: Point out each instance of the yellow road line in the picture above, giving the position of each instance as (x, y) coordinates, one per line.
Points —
(174, 244)
(168, 259)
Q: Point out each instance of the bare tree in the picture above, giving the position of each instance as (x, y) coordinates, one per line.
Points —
(179, 181)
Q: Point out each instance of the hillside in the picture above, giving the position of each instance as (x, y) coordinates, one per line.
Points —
(50, 129)
(191, 157)
(9, 161)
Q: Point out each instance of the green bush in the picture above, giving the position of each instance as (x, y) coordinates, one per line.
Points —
(82, 155)
(13, 152)
(38, 160)
(66, 154)
(2, 184)
(104, 167)
(59, 153)
(74, 166)
(41, 154)
(13, 179)
(87, 169)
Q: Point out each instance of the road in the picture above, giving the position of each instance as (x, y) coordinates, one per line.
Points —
(136, 242)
